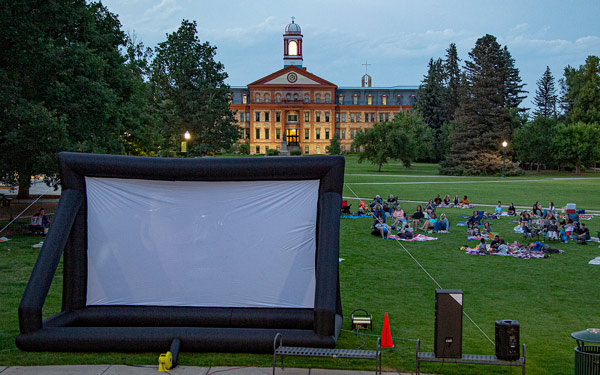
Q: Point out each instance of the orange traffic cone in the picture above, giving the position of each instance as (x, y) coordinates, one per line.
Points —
(386, 334)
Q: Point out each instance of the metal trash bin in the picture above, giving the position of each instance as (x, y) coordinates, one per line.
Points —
(587, 357)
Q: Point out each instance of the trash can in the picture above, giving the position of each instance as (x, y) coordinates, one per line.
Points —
(587, 357)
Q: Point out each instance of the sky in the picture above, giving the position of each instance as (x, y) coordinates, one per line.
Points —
(396, 37)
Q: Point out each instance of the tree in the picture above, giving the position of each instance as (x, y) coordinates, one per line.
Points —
(453, 81)
(64, 86)
(431, 99)
(512, 83)
(577, 144)
(545, 96)
(334, 145)
(191, 94)
(482, 120)
(533, 143)
(405, 138)
(581, 92)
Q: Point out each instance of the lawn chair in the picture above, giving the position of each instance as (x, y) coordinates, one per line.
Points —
(346, 207)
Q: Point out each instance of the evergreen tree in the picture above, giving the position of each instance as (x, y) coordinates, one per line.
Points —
(334, 145)
(430, 99)
(581, 92)
(482, 120)
(191, 93)
(545, 96)
(453, 81)
(512, 83)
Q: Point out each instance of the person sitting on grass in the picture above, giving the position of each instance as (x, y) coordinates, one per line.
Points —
(465, 202)
(512, 211)
(584, 234)
(456, 201)
(430, 207)
(376, 200)
(398, 216)
(474, 219)
(378, 215)
(447, 200)
(537, 209)
(417, 217)
(487, 228)
(551, 208)
(498, 209)
(552, 230)
(40, 221)
(437, 200)
(502, 248)
(406, 232)
(482, 248)
(430, 223)
(361, 207)
(564, 238)
(525, 219)
(443, 225)
(392, 202)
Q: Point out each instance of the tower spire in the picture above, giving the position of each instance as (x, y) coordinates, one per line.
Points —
(366, 79)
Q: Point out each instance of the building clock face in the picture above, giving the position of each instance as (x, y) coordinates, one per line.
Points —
(292, 77)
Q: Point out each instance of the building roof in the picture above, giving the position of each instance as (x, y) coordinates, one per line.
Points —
(293, 29)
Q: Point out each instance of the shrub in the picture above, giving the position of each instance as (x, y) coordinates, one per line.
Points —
(295, 152)
(272, 152)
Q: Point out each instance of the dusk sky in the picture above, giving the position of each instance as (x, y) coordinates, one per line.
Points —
(397, 37)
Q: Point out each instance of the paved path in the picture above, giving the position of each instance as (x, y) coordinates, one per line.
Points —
(179, 370)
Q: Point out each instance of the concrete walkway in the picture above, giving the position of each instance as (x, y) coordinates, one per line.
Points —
(179, 370)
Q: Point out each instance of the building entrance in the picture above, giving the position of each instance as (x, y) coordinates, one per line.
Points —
(292, 136)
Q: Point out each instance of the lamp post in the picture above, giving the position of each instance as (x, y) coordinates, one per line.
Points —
(504, 144)
(187, 137)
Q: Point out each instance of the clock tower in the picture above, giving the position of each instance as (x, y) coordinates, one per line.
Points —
(292, 45)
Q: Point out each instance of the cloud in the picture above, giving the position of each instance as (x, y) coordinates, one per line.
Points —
(554, 46)
(520, 28)
(162, 10)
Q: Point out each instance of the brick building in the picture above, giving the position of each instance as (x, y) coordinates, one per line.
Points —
(309, 109)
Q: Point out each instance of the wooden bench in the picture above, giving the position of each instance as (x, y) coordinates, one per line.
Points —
(472, 359)
(279, 349)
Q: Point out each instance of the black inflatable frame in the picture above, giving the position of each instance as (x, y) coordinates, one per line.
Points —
(152, 328)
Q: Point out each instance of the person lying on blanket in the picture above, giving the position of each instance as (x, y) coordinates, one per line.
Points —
(406, 232)
(384, 230)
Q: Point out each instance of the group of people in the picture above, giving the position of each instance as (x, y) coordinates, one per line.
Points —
(545, 222)
(40, 221)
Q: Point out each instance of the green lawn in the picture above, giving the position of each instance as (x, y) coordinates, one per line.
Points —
(549, 297)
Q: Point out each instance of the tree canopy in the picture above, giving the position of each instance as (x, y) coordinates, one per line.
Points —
(545, 96)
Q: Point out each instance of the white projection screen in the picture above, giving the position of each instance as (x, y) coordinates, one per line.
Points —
(202, 244)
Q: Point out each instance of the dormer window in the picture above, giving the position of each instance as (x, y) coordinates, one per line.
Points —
(369, 99)
(384, 99)
(244, 99)
(355, 99)
(341, 98)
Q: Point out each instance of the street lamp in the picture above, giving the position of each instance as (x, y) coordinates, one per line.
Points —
(187, 137)
(504, 144)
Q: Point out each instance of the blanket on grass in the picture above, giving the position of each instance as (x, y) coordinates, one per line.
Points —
(4, 239)
(521, 254)
(595, 261)
(416, 238)
(581, 217)
(354, 217)
(462, 224)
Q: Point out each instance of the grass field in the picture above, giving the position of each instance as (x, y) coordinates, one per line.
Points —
(549, 297)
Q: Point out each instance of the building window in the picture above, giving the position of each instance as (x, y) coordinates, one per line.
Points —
(384, 99)
(278, 133)
(318, 98)
(244, 99)
(288, 96)
(341, 99)
(306, 135)
(369, 99)
(306, 98)
(372, 116)
(257, 98)
(266, 133)
(267, 98)
(306, 149)
(292, 117)
(277, 98)
(344, 117)
(247, 132)
(242, 116)
(277, 116)
(326, 133)
(357, 116)
(381, 117)
(343, 133)
(351, 133)
(257, 133)
(306, 116)
(352, 117)
(318, 149)
(337, 117)
(266, 149)
(366, 116)
(327, 98)
(267, 116)
(326, 116)
(387, 117)
(256, 116)
(278, 148)
(258, 149)
(318, 116)
(355, 99)
(295, 96)
(318, 133)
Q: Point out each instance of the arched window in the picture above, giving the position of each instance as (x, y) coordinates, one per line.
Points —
(318, 98)
(256, 98)
(327, 98)
(267, 98)
(277, 98)
(295, 96)
(384, 99)
(288, 97)
(306, 98)
(293, 48)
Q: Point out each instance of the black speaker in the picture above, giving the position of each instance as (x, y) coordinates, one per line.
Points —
(448, 323)
(507, 340)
